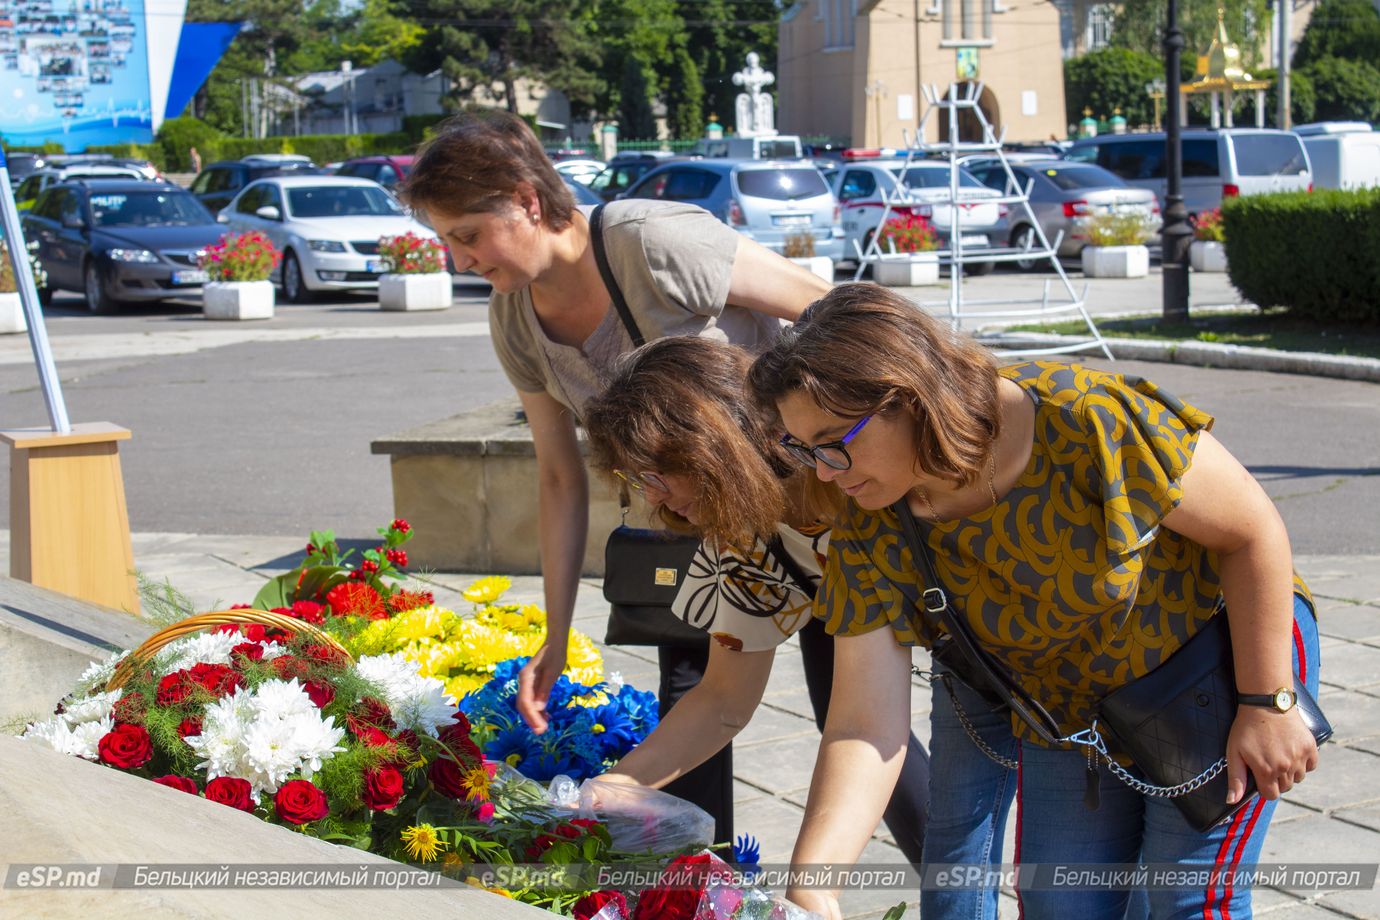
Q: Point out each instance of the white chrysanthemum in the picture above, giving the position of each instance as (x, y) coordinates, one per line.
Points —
(98, 673)
(86, 737)
(270, 751)
(92, 708)
(417, 702)
(202, 648)
(273, 650)
(83, 741)
(282, 699)
(316, 740)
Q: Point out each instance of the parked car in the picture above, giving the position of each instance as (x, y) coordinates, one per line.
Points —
(29, 190)
(387, 171)
(1216, 164)
(624, 170)
(581, 170)
(327, 228)
(1063, 197)
(1343, 154)
(120, 240)
(145, 169)
(776, 147)
(581, 191)
(765, 200)
(21, 165)
(218, 183)
(922, 190)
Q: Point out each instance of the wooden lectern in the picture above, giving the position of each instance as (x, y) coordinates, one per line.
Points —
(69, 528)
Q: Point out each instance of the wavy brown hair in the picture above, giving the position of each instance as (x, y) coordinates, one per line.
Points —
(678, 405)
(476, 162)
(863, 349)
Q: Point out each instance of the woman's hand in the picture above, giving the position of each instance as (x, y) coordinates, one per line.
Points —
(1276, 747)
(821, 902)
(535, 680)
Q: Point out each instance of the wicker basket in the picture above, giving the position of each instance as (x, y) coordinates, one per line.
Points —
(201, 621)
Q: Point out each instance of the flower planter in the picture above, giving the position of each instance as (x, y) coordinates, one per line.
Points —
(237, 300)
(12, 314)
(908, 270)
(1208, 256)
(823, 266)
(431, 291)
(1116, 261)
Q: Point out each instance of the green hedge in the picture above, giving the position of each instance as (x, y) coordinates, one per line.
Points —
(1316, 253)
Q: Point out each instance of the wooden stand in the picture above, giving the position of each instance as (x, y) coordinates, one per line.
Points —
(69, 528)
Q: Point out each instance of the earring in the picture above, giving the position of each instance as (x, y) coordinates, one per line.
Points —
(535, 218)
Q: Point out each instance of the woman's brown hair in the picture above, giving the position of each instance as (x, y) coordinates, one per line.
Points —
(862, 349)
(678, 405)
(476, 162)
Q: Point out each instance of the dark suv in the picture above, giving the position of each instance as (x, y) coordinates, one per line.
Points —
(218, 183)
(387, 171)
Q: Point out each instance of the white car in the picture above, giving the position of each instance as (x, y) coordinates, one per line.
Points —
(582, 171)
(922, 192)
(327, 228)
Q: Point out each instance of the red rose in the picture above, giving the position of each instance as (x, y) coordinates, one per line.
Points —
(322, 654)
(596, 901)
(173, 689)
(693, 875)
(288, 666)
(246, 652)
(217, 679)
(310, 611)
(373, 712)
(446, 777)
(298, 801)
(254, 632)
(131, 707)
(355, 599)
(226, 627)
(587, 824)
(383, 788)
(184, 783)
(457, 733)
(189, 727)
(371, 736)
(232, 791)
(321, 693)
(125, 746)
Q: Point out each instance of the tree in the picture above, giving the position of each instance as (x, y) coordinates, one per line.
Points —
(635, 118)
(1345, 90)
(485, 46)
(1139, 25)
(718, 35)
(1112, 78)
(379, 34)
(1302, 99)
(1347, 29)
(685, 97)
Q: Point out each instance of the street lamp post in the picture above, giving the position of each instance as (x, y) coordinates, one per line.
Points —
(1177, 233)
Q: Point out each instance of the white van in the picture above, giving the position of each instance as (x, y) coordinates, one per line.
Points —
(1344, 154)
(779, 147)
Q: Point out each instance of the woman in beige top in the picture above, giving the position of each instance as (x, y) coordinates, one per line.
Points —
(487, 188)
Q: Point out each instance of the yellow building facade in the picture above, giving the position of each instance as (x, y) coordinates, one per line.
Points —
(854, 69)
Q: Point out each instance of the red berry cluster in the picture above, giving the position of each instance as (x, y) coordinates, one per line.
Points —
(400, 525)
(396, 556)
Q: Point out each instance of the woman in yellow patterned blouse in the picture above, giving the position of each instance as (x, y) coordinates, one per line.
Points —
(1085, 526)
(674, 423)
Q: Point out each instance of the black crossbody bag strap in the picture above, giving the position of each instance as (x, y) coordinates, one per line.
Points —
(936, 602)
(803, 582)
(596, 236)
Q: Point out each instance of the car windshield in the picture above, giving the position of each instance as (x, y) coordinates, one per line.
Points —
(1070, 178)
(341, 201)
(935, 177)
(782, 184)
(147, 209)
(1269, 155)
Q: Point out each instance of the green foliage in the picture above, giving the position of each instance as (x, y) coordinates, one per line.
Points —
(1118, 230)
(1112, 78)
(380, 34)
(719, 34)
(1318, 254)
(635, 118)
(1139, 25)
(1303, 100)
(685, 97)
(1345, 89)
(177, 136)
(1347, 29)
(322, 148)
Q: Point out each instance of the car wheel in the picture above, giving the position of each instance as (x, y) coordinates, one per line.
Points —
(294, 285)
(97, 300)
(1024, 238)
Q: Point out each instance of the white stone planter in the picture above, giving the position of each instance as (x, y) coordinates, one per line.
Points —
(910, 270)
(823, 266)
(237, 300)
(1208, 256)
(1116, 261)
(431, 291)
(12, 314)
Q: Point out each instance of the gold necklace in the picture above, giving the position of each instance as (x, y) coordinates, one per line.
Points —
(991, 489)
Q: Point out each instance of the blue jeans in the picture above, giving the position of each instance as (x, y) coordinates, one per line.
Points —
(969, 795)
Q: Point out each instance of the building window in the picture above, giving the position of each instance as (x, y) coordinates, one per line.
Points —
(838, 16)
(968, 21)
(1099, 26)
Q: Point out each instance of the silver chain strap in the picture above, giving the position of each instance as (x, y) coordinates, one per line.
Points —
(1090, 738)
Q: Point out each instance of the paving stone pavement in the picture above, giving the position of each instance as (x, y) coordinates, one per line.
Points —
(1334, 816)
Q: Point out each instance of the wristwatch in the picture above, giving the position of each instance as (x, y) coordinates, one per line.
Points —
(1281, 700)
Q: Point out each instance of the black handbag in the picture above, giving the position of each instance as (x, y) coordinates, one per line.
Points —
(643, 569)
(1173, 722)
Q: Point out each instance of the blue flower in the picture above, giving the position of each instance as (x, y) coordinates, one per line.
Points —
(747, 852)
(614, 730)
(515, 746)
(642, 707)
(508, 670)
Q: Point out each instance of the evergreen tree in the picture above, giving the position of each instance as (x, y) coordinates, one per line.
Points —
(685, 97)
(635, 118)
(1340, 29)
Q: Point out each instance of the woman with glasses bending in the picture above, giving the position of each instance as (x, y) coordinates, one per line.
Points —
(487, 188)
(675, 424)
(1084, 526)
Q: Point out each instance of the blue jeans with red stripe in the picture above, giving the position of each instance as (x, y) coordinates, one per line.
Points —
(969, 794)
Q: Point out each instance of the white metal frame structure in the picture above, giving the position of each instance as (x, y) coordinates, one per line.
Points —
(955, 308)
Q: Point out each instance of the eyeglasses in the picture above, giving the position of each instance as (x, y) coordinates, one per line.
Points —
(833, 454)
(639, 482)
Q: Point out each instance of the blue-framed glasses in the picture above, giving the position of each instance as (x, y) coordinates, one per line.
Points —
(833, 454)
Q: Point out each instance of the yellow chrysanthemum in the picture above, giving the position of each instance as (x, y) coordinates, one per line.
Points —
(591, 700)
(422, 842)
(453, 863)
(476, 780)
(487, 590)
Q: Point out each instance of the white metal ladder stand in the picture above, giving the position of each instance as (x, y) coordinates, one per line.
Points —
(955, 307)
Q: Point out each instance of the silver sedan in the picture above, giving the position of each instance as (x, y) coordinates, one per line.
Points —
(1063, 196)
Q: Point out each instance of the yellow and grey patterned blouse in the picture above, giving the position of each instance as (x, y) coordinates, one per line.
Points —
(1069, 580)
